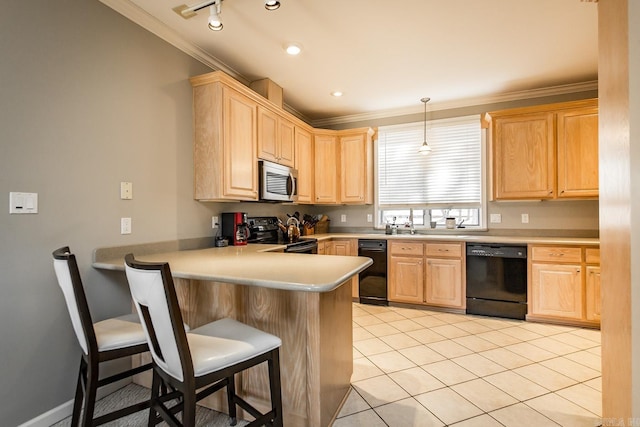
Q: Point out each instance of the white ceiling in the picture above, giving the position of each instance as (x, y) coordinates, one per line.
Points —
(386, 55)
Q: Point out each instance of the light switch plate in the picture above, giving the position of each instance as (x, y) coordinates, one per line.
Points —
(343, 218)
(496, 218)
(369, 218)
(23, 203)
(126, 190)
(525, 218)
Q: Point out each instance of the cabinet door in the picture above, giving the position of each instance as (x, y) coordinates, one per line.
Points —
(304, 165)
(406, 279)
(286, 153)
(354, 155)
(240, 178)
(275, 138)
(267, 135)
(444, 282)
(523, 157)
(326, 168)
(347, 247)
(593, 295)
(556, 290)
(578, 153)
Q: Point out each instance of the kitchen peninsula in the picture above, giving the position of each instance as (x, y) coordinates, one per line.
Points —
(304, 300)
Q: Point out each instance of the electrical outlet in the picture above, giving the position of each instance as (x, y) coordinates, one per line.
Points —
(369, 218)
(214, 222)
(343, 218)
(496, 218)
(525, 218)
(125, 225)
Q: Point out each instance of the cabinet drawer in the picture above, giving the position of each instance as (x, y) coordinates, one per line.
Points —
(556, 254)
(593, 255)
(453, 250)
(406, 248)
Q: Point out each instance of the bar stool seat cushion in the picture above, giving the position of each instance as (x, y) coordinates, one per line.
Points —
(226, 342)
(119, 332)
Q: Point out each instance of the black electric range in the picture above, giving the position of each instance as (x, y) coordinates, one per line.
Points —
(265, 229)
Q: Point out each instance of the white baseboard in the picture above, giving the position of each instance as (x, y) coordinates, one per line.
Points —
(63, 411)
(52, 416)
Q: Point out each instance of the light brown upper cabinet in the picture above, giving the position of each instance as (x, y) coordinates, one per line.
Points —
(235, 126)
(225, 143)
(356, 166)
(304, 165)
(326, 167)
(545, 152)
(275, 138)
(578, 152)
(344, 166)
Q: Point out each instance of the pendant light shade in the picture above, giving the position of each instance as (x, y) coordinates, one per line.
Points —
(424, 148)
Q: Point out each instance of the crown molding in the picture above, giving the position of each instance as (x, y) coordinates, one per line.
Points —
(461, 103)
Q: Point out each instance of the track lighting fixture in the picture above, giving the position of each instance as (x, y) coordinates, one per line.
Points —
(215, 6)
(215, 24)
(424, 148)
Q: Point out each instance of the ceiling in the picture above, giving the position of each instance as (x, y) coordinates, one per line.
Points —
(386, 55)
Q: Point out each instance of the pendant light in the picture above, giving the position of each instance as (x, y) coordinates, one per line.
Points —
(424, 148)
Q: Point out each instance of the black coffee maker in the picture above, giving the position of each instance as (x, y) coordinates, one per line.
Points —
(234, 228)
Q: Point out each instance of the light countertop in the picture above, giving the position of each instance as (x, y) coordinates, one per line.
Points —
(261, 265)
(254, 265)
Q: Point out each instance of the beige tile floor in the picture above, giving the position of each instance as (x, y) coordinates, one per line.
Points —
(428, 368)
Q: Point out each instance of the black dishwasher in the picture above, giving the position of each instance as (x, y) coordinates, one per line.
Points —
(373, 280)
(497, 280)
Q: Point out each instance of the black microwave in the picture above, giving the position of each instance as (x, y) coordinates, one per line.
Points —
(278, 183)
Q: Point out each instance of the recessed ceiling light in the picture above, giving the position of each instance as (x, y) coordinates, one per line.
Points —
(336, 93)
(293, 49)
(271, 4)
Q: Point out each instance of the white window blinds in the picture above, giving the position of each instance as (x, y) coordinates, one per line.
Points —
(450, 174)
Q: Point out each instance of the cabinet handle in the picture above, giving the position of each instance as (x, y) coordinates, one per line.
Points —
(443, 250)
(550, 192)
(556, 254)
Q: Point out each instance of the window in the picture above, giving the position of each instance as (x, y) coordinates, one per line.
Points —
(446, 183)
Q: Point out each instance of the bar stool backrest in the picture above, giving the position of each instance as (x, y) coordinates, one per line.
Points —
(66, 268)
(154, 296)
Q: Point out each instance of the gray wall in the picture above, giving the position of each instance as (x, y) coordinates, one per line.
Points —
(87, 99)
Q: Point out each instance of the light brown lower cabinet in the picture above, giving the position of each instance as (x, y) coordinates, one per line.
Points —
(564, 284)
(427, 273)
(345, 247)
(593, 293)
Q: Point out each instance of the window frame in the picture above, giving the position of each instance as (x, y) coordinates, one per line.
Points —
(379, 223)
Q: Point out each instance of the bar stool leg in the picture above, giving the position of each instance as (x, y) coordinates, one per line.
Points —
(231, 393)
(155, 391)
(90, 395)
(274, 385)
(189, 409)
(77, 401)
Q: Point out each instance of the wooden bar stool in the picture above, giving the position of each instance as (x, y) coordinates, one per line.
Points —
(208, 356)
(101, 341)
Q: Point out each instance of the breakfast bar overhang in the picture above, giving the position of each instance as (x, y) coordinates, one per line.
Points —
(303, 299)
